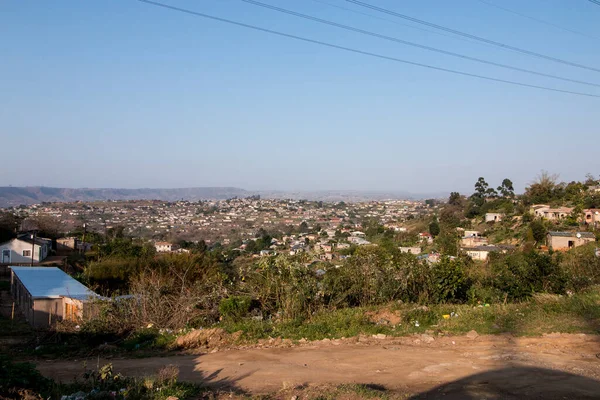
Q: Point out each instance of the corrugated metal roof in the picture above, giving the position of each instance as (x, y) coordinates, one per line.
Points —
(51, 282)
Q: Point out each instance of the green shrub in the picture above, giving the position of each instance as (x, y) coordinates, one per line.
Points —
(16, 375)
(235, 307)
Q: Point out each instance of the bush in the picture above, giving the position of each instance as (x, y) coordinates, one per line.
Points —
(19, 376)
(235, 307)
(522, 274)
(451, 284)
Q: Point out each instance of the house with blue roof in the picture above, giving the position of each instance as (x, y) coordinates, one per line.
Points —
(46, 295)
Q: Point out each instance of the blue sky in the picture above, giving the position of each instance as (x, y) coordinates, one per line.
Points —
(118, 93)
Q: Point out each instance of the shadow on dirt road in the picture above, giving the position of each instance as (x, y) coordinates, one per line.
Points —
(517, 383)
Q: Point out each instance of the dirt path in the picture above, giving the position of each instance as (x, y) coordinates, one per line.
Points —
(554, 366)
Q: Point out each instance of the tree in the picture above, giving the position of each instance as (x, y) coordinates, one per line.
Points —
(491, 193)
(590, 180)
(303, 228)
(478, 198)
(251, 246)
(506, 189)
(542, 189)
(455, 199)
(450, 217)
(481, 187)
(434, 228)
(538, 230)
(9, 224)
(447, 243)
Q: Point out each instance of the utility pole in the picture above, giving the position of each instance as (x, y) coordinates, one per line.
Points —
(83, 238)
(32, 247)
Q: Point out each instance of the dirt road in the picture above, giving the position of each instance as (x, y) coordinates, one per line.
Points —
(554, 366)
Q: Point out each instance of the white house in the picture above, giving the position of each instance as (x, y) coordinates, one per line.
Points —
(411, 250)
(493, 217)
(481, 252)
(359, 241)
(552, 214)
(19, 250)
(165, 247)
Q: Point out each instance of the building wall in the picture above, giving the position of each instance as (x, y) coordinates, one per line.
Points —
(21, 297)
(478, 254)
(562, 242)
(69, 243)
(472, 241)
(164, 248)
(472, 234)
(17, 247)
(76, 307)
(46, 312)
(590, 217)
(411, 250)
(493, 217)
(39, 313)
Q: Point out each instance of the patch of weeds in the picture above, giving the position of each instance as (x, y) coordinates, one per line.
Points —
(17, 376)
(149, 338)
(104, 383)
(252, 329)
(421, 316)
(365, 391)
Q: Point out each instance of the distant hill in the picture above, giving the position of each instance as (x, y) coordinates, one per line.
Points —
(15, 196)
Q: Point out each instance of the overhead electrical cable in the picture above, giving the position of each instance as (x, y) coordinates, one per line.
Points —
(470, 36)
(395, 22)
(357, 51)
(405, 42)
(541, 21)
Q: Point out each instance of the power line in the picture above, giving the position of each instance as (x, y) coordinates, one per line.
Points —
(595, 2)
(396, 22)
(541, 21)
(356, 51)
(393, 39)
(468, 35)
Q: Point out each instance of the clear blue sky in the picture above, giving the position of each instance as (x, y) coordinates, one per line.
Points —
(117, 93)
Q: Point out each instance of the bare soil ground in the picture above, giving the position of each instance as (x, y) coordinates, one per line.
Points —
(461, 367)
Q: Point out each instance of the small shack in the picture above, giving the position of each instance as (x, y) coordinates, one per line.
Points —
(47, 294)
(562, 241)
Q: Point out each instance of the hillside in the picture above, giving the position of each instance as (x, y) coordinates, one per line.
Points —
(15, 196)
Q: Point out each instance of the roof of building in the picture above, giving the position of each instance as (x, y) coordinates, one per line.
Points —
(51, 282)
(573, 234)
(28, 239)
(490, 247)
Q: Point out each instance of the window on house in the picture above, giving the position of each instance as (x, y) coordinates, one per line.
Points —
(26, 253)
(571, 243)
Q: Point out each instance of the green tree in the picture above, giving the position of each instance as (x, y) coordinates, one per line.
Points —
(9, 224)
(455, 199)
(506, 189)
(481, 187)
(538, 230)
(303, 228)
(251, 246)
(447, 243)
(542, 189)
(434, 228)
